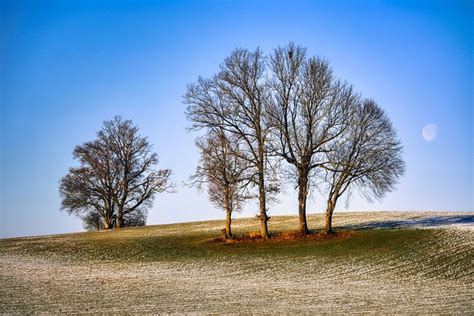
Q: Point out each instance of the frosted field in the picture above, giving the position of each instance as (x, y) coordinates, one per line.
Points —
(394, 263)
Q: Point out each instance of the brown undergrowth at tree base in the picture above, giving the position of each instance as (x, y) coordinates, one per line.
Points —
(254, 237)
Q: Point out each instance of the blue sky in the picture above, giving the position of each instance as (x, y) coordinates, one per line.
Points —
(66, 66)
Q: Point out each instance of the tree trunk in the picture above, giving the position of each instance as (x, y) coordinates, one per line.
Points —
(262, 206)
(302, 196)
(106, 224)
(329, 211)
(261, 185)
(228, 222)
(120, 222)
(263, 216)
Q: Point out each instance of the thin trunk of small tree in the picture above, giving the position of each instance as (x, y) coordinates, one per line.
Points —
(228, 213)
(228, 223)
(331, 205)
(263, 212)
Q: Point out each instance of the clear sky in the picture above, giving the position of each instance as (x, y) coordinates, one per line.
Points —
(66, 66)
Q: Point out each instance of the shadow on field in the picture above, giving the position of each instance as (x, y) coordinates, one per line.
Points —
(433, 221)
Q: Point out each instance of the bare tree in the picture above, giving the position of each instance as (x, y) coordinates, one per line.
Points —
(235, 100)
(138, 181)
(90, 187)
(224, 172)
(367, 156)
(307, 111)
(116, 178)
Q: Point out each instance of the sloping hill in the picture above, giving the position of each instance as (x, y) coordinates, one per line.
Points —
(393, 262)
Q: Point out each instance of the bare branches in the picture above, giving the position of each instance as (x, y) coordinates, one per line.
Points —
(367, 156)
(290, 106)
(226, 175)
(307, 111)
(235, 101)
(116, 179)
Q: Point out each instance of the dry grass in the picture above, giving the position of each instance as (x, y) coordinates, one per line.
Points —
(170, 269)
(295, 236)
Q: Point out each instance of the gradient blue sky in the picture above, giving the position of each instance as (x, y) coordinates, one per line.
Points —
(66, 66)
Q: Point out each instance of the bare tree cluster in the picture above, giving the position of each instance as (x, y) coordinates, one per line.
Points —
(116, 180)
(288, 106)
(235, 100)
(258, 112)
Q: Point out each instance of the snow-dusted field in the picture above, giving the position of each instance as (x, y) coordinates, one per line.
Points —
(394, 263)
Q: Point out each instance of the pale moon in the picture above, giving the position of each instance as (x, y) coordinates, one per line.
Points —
(430, 132)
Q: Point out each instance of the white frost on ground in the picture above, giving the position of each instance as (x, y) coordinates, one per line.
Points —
(265, 285)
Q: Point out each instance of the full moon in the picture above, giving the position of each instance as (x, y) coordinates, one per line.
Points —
(430, 132)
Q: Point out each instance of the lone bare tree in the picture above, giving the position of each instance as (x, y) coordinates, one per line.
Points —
(308, 111)
(225, 173)
(236, 100)
(367, 156)
(116, 178)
